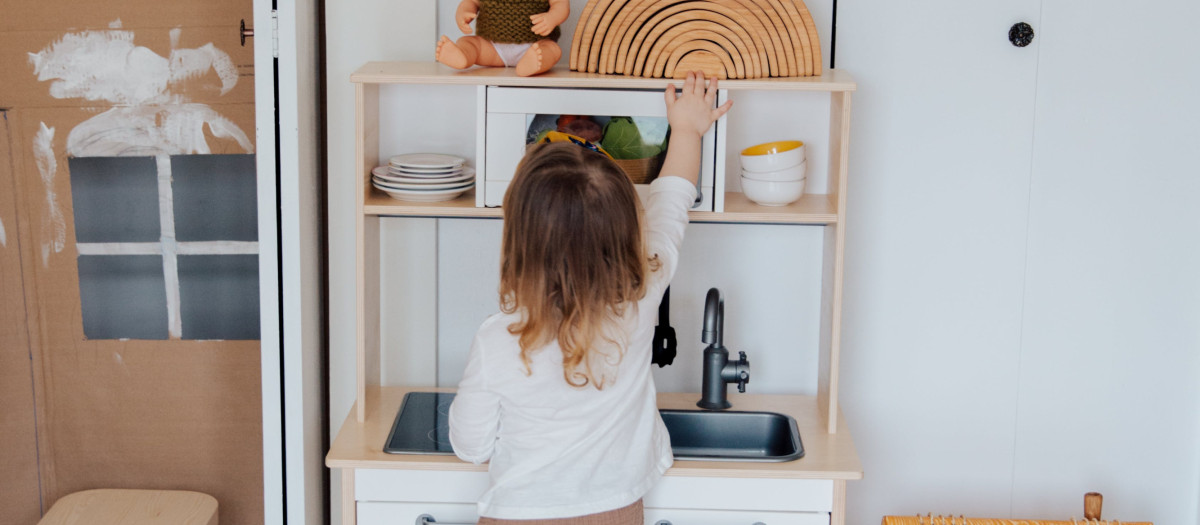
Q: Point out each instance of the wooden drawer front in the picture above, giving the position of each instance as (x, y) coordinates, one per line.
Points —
(732, 517)
(437, 486)
(759, 494)
(376, 513)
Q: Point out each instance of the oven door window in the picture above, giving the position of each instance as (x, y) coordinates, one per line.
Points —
(637, 144)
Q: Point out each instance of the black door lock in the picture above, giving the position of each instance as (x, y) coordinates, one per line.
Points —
(1020, 34)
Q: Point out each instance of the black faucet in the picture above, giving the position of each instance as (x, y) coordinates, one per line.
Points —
(718, 369)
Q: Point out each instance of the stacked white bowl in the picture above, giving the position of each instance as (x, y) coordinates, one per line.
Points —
(774, 173)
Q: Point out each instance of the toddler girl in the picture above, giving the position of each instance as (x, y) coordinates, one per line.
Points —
(557, 392)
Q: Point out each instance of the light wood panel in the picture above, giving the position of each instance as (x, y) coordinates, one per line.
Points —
(419, 72)
(827, 456)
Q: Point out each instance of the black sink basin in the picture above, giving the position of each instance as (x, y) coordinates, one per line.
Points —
(733, 436)
(422, 427)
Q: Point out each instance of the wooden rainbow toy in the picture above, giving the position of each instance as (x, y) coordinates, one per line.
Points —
(723, 38)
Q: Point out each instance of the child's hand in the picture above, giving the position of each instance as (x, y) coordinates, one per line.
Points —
(692, 111)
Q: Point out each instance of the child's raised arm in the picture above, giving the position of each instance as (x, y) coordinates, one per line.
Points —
(690, 114)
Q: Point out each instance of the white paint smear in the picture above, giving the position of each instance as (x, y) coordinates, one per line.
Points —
(192, 63)
(115, 24)
(54, 226)
(103, 65)
(152, 130)
(3, 236)
(150, 118)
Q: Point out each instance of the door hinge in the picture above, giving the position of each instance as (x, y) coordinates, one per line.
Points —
(275, 33)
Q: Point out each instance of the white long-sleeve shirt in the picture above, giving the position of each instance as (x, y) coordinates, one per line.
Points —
(559, 451)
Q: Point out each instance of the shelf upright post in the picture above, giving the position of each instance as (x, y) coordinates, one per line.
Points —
(366, 119)
(832, 260)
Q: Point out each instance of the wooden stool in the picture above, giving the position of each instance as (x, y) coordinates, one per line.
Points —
(133, 507)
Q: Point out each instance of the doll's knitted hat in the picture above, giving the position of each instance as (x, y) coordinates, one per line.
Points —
(507, 21)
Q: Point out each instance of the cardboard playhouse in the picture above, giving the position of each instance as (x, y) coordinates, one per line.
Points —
(127, 86)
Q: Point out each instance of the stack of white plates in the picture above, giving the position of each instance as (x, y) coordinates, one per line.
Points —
(424, 177)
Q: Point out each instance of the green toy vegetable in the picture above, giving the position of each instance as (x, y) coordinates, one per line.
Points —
(623, 138)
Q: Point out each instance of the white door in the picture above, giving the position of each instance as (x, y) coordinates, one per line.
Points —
(290, 192)
(1021, 284)
(941, 141)
(1110, 342)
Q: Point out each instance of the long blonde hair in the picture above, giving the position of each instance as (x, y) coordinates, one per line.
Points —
(573, 258)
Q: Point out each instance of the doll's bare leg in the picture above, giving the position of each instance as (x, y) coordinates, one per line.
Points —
(540, 57)
(468, 51)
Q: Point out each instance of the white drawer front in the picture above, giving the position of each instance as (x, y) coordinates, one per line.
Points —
(671, 492)
(375, 513)
(438, 486)
(643, 103)
(759, 494)
(732, 517)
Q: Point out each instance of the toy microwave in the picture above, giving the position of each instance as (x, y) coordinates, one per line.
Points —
(631, 125)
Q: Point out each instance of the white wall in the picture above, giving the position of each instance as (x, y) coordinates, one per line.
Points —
(965, 312)
(1022, 286)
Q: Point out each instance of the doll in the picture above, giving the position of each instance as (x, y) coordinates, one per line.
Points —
(521, 33)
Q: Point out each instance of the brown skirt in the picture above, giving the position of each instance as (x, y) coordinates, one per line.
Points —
(630, 515)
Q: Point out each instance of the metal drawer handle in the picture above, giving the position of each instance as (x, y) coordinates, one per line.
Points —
(426, 519)
(665, 522)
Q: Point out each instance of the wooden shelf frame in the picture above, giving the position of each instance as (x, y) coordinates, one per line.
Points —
(824, 210)
(816, 209)
(832, 80)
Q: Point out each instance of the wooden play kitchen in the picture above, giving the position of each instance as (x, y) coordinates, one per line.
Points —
(762, 46)
(382, 488)
(723, 38)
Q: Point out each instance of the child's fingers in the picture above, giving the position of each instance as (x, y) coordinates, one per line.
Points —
(699, 84)
(720, 112)
(669, 95)
(689, 84)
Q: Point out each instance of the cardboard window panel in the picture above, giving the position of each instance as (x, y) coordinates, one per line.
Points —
(115, 199)
(218, 296)
(216, 197)
(123, 296)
